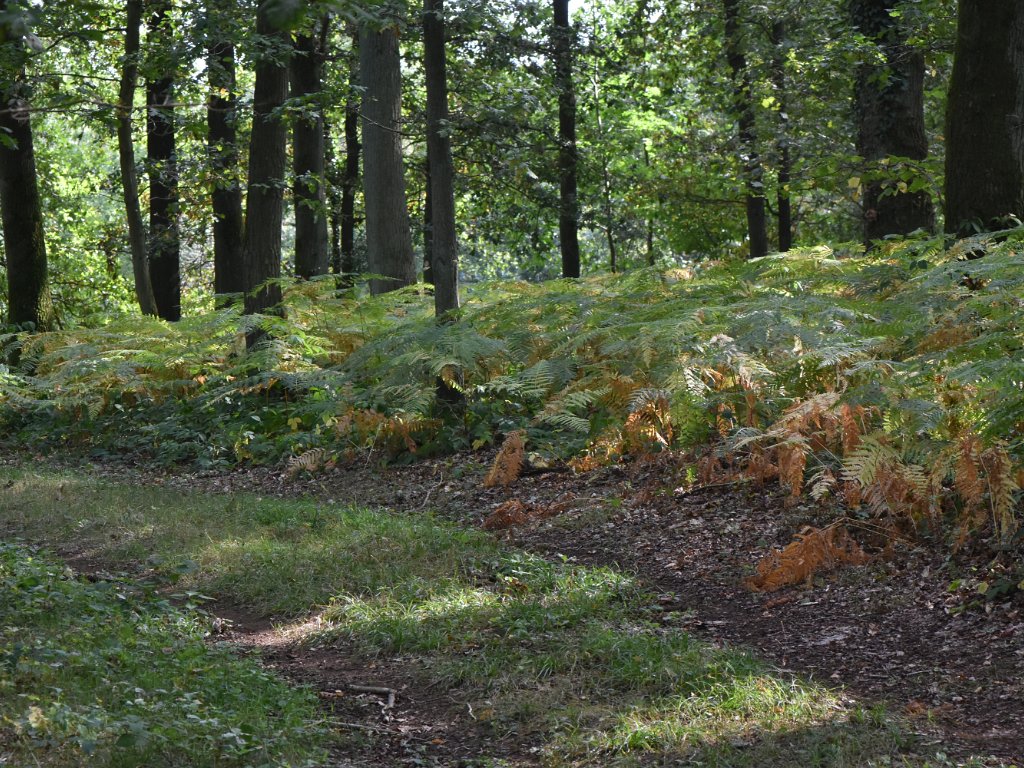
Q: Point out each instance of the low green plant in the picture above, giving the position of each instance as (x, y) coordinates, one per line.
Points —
(98, 673)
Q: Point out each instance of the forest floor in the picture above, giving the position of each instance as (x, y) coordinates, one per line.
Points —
(909, 630)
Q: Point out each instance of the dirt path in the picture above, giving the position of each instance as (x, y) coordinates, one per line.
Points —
(894, 631)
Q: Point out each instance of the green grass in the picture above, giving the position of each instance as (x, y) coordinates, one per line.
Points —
(97, 674)
(555, 655)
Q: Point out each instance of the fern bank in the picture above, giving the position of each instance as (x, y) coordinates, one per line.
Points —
(923, 340)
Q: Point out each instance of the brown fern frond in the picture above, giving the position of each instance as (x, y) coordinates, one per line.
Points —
(509, 461)
(792, 457)
(812, 551)
(311, 461)
(969, 484)
(507, 515)
(1002, 485)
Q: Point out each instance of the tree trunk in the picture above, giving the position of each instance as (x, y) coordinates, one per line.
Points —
(785, 209)
(126, 155)
(743, 107)
(226, 195)
(568, 156)
(984, 124)
(333, 179)
(350, 183)
(428, 225)
(28, 291)
(311, 246)
(441, 176)
(890, 121)
(388, 235)
(267, 162)
(164, 242)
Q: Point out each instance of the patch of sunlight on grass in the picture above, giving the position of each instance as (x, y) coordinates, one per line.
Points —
(556, 650)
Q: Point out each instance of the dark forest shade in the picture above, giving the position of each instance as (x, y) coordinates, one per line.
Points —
(984, 128)
(441, 176)
(162, 164)
(743, 109)
(388, 235)
(890, 120)
(267, 169)
(222, 148)
(308, 153)
(28, 290)
(126, 157)
(568, 154)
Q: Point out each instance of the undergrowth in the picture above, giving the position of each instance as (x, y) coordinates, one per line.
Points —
(99, 674)
(892, 380)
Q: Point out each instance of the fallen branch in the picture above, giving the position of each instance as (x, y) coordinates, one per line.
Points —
(380, 690)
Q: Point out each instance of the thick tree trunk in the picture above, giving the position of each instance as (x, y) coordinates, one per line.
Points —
(311, 245)
(126, 155)
(890, 121)
(441, 176)
(28, 291)
(984, 123)
(350, 182)
(743, 107)
(785, 208)
(164, 242)
(388, 235)
(267, 166)
(226, 195)
(568, 155)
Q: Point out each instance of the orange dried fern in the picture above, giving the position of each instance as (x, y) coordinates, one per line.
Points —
(508, 464)
(812, 551)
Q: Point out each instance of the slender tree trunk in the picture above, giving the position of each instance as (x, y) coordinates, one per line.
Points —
(388, 235)
(428, 225)
(28, 289)
(568, 156)
(350, 183)
(311, 247)
(333, 177)
(267, 163)
(164, 241)
(443, 238)
(606, 181)
(126, 154)
(222, 146)
(785, 209)
(743, 106)
(651, 257)
(890, 121)
(984, 124)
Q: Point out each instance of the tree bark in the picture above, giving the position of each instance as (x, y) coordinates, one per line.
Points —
(441, 177)
(743, 107)
(126, 155)
(985, 118)
(29, 303)
(311, 244)
(388, 234)
(164, 241)
(568, 155)
(785, 208)
(890, 121)
(267, 162)
(226, 194)
(350, 182)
